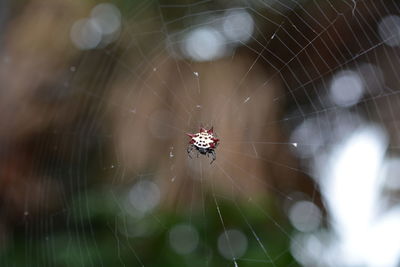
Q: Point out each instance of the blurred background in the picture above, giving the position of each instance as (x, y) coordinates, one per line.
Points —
(97, 97)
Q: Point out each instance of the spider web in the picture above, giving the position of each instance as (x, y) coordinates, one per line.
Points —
(292, 89)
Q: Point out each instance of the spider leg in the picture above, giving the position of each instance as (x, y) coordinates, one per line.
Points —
(214, 156)
(189, 150)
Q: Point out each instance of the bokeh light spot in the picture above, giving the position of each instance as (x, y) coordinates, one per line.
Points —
(183, 238)
(346, 88)
(204, 44)
(389, 30)
(232, 244)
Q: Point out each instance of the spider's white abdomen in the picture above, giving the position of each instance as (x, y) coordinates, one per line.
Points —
(203, 140)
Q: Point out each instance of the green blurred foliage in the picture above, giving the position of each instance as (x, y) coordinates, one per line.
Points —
(100, 231)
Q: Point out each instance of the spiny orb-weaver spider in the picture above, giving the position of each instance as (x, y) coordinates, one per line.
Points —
(204, 143)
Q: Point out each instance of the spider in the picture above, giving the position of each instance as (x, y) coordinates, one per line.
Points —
(204, 143)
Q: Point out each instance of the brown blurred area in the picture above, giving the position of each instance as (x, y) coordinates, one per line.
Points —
(43, 111)
(164, 105)
(35, 101)
(35, 58)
